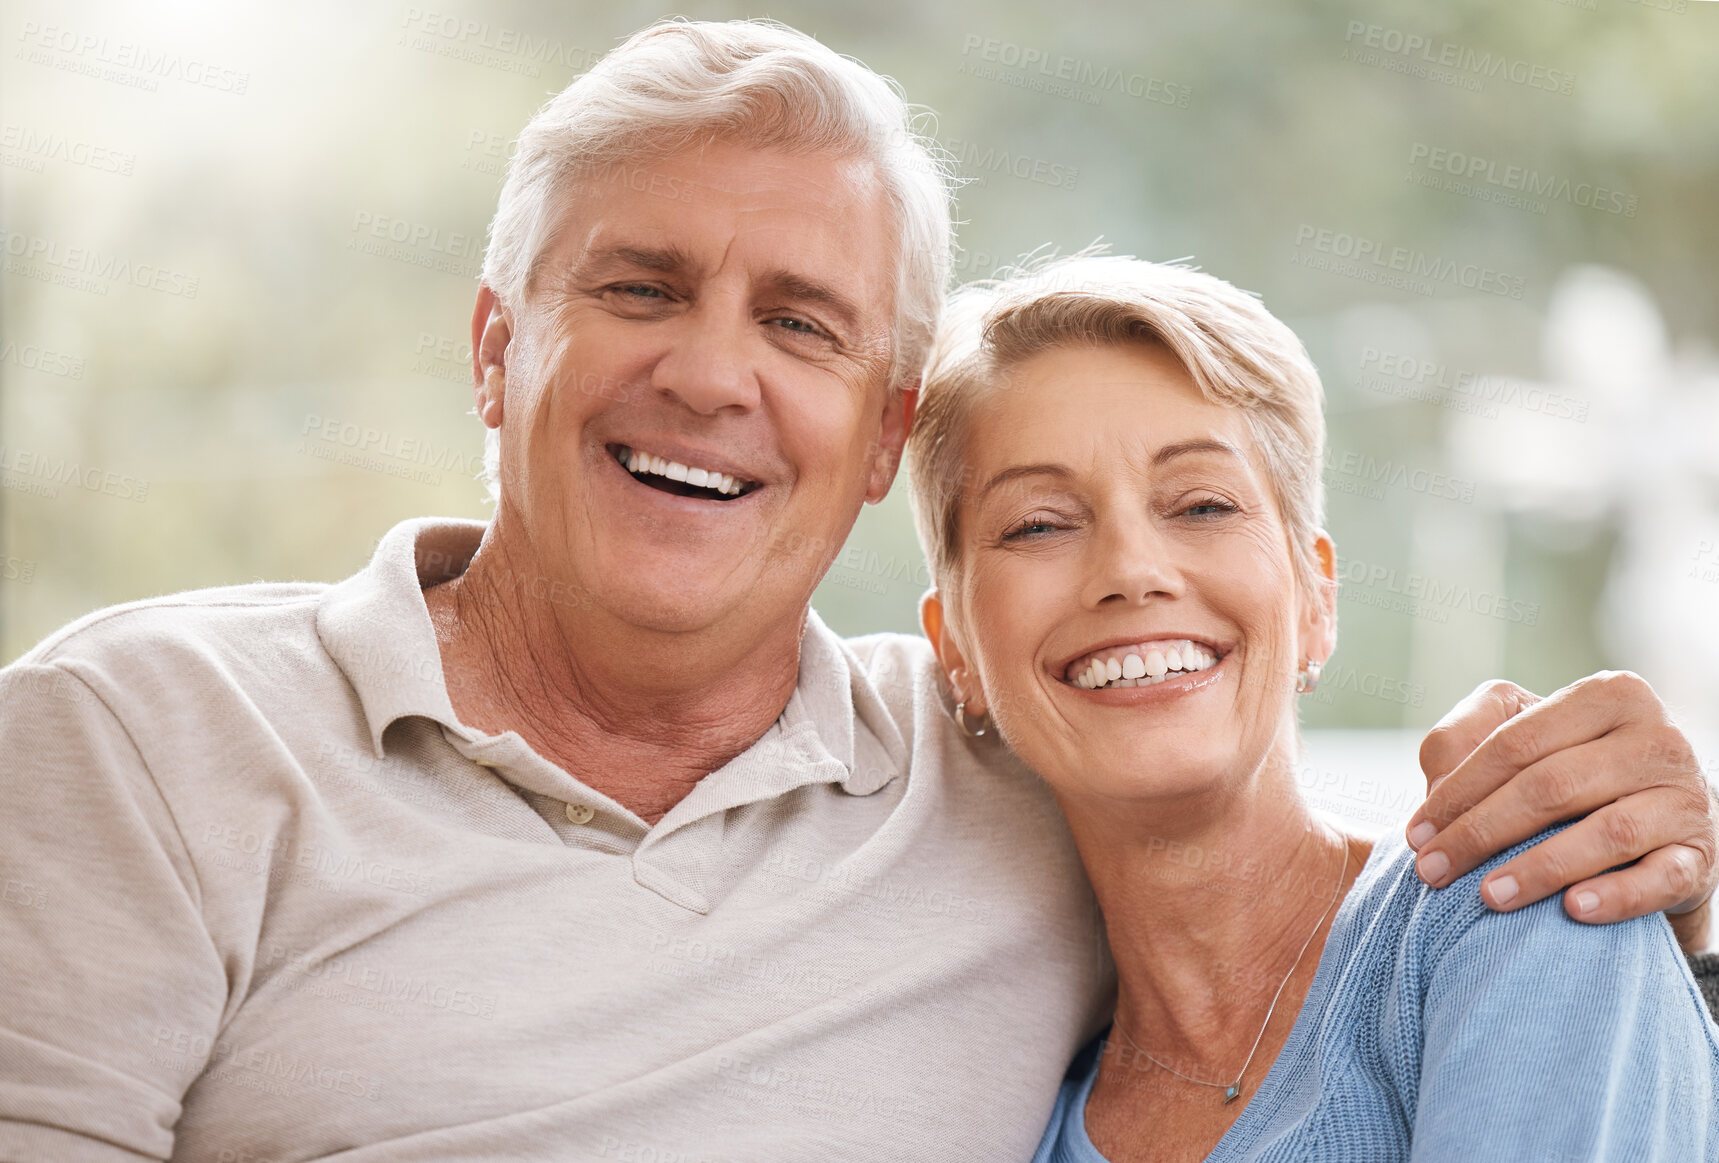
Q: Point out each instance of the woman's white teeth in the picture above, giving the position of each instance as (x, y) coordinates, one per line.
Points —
(674, 470)
(1127, 666)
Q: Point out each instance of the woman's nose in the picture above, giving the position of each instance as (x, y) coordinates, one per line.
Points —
(1131, 565)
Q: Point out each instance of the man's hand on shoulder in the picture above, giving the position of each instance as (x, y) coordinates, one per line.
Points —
(1505, 763)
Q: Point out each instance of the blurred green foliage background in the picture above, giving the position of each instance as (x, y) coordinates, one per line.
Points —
(1255, 126)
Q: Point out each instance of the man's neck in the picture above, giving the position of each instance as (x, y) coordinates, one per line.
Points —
(638, 715)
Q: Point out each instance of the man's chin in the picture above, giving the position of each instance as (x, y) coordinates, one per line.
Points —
(668, 603)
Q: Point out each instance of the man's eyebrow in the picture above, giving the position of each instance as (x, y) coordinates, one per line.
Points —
(662, 259)
(671, 259)
(1186, 447)
(811, 291)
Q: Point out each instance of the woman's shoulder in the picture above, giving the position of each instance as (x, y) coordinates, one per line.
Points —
(1586, 1041)
(1447, 941)
(1437, 921)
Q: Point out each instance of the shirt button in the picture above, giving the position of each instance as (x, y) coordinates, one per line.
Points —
(579, 813)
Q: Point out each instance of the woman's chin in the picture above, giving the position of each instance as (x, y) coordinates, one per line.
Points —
(1140, 765)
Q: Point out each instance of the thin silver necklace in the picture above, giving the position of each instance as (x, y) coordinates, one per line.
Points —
(1232, 1090)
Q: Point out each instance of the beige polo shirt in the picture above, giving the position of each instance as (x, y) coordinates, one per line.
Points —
(265, 898)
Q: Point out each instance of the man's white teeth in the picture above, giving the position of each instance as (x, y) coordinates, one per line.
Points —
(1143, 665)
(674, 470)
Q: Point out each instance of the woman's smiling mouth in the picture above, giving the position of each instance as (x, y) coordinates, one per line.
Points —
(1141, 664)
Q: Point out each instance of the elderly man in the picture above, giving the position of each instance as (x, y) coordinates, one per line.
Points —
(577, 835)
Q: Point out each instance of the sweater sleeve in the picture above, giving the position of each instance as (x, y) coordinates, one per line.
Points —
(111, 989)
(1549, 1040)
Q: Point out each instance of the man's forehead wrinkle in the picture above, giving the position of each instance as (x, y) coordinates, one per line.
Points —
(789, 170)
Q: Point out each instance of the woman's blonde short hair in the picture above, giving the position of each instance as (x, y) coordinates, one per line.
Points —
(1236, 352)
(679, 83)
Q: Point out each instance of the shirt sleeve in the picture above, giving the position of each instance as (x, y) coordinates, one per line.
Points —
(1549, 1040)
(111, 989)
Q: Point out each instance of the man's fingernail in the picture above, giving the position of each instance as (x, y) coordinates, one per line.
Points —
(1433, 866)
(1587, 902)
(1420, 834)
(1503, 890)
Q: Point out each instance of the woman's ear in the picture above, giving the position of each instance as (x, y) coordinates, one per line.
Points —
(1319, 616)
(933, 621)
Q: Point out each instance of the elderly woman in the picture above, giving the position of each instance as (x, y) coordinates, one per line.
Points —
(1116, 478)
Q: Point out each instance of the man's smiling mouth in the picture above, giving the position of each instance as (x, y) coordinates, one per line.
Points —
(682, 480)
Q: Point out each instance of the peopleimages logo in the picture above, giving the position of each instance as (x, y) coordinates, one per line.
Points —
(1476, 174)
(1414, 377)
(124, 61)
(1060, 75)
(1429, 594)
(87, 269)
(1360, 257)
(1403, 51)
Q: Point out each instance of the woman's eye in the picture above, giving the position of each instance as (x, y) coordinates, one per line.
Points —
(1209, 507)
(1028, 529)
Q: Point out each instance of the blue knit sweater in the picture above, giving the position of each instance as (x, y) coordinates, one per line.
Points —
(1438, 1030)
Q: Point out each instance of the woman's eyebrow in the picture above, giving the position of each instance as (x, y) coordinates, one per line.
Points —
(1063, 472)
(1186, 447)
(1020, 471)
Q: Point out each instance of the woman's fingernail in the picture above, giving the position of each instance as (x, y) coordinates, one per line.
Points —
(1433, 866)
(1587, 902)
(1420, 834)
(1503, 890)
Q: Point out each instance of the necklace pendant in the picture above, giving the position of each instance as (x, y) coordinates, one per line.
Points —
(1231, 1093)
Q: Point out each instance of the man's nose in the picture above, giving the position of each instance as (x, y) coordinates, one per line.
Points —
(708, 365)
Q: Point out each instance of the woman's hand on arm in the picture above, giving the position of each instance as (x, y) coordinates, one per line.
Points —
(1505, 764)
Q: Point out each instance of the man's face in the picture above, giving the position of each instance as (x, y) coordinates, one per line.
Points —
(735, 321)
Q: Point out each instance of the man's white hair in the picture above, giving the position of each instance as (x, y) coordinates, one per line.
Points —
(679, 83)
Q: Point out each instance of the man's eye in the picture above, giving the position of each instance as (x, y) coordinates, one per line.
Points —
(797, 326)
(641, 290)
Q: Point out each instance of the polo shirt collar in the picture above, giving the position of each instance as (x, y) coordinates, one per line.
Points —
(377, 629)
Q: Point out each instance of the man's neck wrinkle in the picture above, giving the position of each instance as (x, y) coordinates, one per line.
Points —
(644, 744)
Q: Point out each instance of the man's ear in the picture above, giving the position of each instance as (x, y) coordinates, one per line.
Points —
(891, 439)
(953, 663)
(492, 332)
(1319, 614)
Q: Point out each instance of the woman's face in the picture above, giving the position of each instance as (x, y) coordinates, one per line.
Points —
(1129, 609)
